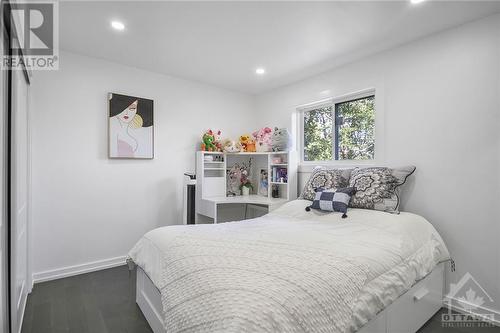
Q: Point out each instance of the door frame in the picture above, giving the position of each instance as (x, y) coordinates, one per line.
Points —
(8, 35)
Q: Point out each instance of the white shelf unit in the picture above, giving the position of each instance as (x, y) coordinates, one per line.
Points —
(211, 188)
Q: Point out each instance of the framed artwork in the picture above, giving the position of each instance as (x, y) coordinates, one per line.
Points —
(130, 127)
(263, 182)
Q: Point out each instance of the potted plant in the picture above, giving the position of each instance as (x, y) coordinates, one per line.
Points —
(245, 185)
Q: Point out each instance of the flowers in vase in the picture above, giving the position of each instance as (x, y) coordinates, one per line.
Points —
(245, 185)
(238, 178)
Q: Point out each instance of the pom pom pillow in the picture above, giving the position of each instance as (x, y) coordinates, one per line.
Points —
(332, 200)
(377, 187)
(326, 179)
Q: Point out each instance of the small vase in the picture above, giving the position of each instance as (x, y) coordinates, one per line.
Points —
(275, 192)
(245, 190)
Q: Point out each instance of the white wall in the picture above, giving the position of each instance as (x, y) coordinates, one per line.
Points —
(438, 107)
(88, 208)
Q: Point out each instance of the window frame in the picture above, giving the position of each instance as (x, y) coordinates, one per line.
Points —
(333, 102)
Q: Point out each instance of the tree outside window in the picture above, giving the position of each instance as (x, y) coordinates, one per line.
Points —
(341, 131)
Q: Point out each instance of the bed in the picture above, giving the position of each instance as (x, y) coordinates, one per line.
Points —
(293, 271)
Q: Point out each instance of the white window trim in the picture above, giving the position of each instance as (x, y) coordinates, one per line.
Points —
(306, 166)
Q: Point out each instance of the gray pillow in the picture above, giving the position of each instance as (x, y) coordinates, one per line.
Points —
(327, 179)
(377, 187)
(332, 200)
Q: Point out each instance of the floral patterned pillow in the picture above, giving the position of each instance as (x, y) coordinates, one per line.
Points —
(327, 179)
(377, 187)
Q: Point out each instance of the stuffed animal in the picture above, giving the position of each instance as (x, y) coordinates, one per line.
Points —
(244, 141)
(247, 143)
(281, 139)
(211, 141)
(217, 139)
(208, 141)
(251, 146)
(230, 146)
(263, 139)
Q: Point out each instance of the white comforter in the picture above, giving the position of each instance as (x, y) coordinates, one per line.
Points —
(288, 271)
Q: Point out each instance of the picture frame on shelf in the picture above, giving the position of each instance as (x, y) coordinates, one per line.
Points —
(263, 182)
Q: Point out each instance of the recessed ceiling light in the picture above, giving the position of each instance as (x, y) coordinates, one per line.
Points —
(416, 1)
(260, 71)
(117, 25)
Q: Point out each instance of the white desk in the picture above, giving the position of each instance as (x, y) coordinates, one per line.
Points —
(212, 187)
(212, 202)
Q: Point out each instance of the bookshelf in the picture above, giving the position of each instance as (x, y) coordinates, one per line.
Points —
(213, 187)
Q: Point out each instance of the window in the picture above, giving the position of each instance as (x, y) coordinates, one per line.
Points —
(340, 131)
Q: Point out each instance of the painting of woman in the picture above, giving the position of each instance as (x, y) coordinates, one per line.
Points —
(130, 127)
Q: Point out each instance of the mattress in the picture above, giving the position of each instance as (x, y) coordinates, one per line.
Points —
(288, 271)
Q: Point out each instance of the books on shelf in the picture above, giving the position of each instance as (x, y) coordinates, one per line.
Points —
(279, 175)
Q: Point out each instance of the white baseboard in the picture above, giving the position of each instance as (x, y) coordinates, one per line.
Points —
(63, 272)
(483, 309)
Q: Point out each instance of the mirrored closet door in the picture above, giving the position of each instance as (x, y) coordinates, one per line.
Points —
(4, 277)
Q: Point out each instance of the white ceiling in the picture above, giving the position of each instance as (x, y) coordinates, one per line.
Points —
(222, 43)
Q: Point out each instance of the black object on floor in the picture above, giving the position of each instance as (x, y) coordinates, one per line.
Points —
(104, 302)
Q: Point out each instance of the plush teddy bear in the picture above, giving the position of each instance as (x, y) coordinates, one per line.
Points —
(243, 141)
(230, 146)
(251, 146)
(263, 141)
(281, 139)
(247, 143)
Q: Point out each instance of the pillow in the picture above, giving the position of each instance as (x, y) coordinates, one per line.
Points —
(377, 188)
(332, 200)
(326, 179)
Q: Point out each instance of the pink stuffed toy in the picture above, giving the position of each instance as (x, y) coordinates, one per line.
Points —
(263, 139)
(217, 139)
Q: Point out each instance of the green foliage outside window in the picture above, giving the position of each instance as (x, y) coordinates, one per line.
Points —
(355, 131)
(356, 134)
(318, 134)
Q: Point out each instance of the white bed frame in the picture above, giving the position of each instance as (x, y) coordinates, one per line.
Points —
(405, 315)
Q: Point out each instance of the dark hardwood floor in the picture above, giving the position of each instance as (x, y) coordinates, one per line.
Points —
(435, 325)
(98, 302)
(104, 302)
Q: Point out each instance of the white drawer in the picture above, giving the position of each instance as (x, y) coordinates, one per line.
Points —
(410, 311)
